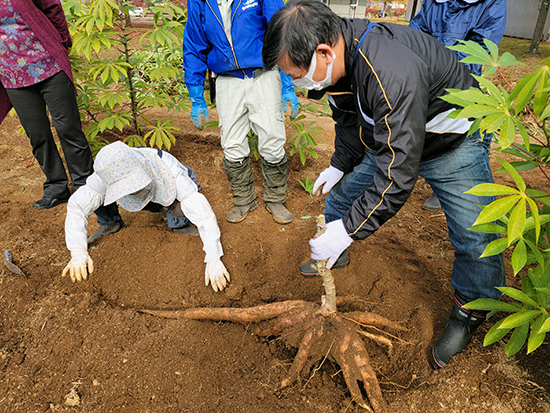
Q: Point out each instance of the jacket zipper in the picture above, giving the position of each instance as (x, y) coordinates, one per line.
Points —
(223, 29)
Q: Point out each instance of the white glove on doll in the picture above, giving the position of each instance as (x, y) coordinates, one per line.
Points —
(216, 274)
(331, 244)
(79, 266)
(329, 177)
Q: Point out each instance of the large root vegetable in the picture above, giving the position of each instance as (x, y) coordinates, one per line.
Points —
(317, 331)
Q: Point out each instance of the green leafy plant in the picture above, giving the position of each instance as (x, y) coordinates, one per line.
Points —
(302, 137)
(307, 185)
(521, 214)
(253, 144)
(122, 72)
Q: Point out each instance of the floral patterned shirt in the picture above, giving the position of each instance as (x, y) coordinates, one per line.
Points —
(23, 59)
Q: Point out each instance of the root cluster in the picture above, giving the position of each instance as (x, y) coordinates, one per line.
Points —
(313, 332)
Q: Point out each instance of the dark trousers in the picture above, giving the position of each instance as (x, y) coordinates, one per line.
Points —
(56, 94)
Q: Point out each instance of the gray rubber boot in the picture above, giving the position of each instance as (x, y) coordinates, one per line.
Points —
(432, 203)
(275, 178)
(241, 181)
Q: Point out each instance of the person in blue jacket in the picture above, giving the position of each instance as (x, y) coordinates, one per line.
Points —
(450, 21)
(226, 37)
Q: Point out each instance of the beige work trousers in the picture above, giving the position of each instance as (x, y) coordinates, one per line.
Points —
(251, 104)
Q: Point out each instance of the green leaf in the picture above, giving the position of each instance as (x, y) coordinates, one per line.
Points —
(541, 95)
(489, 304)
(495, 333)
(524, 90)
(492, 190)
(520, 318)
(545, 326)
(535, 251)
(536, 337)
(518, 295)
(516, 224)
(489, 228)
(519, 256)
(493, 122)
(536, 217)
(495, 247)
(517, 340)
(497, 209)
(478, 111)
(515, 175)
(507, 132)
(507, 59)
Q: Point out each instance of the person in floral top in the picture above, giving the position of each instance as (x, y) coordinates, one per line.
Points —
(36, 77)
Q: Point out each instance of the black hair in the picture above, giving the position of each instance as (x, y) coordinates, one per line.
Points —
(297, 29)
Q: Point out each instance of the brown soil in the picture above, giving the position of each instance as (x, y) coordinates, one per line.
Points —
(85, 348)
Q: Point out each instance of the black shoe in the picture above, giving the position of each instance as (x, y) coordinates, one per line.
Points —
(47, 203)
(457, 334)
(309, 269)
(105, 230)
(188, 230)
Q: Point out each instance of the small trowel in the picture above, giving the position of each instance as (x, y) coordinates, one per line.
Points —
(11, 266)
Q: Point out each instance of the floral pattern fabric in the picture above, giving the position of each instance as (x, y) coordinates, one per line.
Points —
(23, 59)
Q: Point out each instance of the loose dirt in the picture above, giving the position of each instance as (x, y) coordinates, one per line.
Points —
(84, 347)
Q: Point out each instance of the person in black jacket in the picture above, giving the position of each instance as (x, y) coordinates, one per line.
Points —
(385, 81)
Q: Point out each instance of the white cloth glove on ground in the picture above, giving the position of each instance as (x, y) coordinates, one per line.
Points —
(79, 266)
(329, 177)
(216, 274)
(331, 244)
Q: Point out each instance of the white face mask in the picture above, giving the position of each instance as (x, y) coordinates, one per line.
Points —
(307, 81)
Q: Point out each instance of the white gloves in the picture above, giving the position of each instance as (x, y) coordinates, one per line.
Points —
(217, 274)
(79, 266)
(329, 177)
(331, 244)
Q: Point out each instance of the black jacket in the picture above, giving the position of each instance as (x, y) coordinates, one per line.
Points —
(389, 102)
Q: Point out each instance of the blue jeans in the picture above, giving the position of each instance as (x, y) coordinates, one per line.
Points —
(108, 215)
(449, 175)
(177, 222)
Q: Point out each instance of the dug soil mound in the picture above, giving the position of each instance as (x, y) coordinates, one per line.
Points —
(85, 347)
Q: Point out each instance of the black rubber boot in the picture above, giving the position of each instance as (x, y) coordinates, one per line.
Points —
(309, 269)
(457, 334)
(105, 230)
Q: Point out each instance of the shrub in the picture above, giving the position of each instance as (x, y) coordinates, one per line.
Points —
(121, 73)
(522, 213)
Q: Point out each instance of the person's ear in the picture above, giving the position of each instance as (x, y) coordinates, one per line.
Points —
(326, 51)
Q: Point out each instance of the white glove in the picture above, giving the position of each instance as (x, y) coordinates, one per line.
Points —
(329, 177)
(331, 244)
(217, 274)
(79, 266)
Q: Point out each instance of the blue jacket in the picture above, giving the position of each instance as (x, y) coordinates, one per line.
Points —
(452, 20)
(205, 43)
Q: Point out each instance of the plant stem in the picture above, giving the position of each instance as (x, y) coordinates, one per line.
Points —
(328, 301)
(129, 70)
